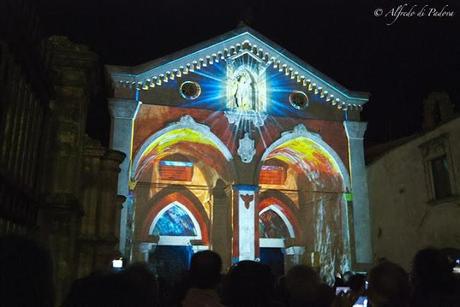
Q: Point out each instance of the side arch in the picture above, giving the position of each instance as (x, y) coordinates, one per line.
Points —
(185, 122)
(301, 131)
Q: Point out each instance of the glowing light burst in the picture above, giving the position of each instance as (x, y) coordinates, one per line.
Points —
(217, 90)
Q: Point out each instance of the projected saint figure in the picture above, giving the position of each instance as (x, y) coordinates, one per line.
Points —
(244, 91)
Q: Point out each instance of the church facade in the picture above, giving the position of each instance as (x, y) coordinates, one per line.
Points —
(237, 146)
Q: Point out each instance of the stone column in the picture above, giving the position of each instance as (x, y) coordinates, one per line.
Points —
(145, 248)
(123, 113)
(107, 209)
(361, 217)
(221, 223)
(306, 217)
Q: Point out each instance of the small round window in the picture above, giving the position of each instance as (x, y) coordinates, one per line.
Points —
(190, 90)
(298, 100)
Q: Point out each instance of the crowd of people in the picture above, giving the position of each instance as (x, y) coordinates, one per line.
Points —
(26, 280)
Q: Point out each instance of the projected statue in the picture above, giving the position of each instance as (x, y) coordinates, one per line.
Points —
(244, 91)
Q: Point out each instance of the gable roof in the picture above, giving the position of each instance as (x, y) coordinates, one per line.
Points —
(243, 39)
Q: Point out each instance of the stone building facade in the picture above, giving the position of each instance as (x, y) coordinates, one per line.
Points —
(56, 183)
(236, 145)
(414, 188)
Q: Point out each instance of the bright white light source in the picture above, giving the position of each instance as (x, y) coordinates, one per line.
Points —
(117, 263)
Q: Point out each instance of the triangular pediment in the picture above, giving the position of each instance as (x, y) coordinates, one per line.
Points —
(154, 74)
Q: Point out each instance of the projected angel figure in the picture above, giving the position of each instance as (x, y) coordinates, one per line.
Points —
(243, 91)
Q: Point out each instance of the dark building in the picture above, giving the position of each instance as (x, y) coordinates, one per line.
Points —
(56, 183)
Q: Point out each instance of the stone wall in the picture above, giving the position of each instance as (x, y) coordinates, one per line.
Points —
(406, 216)
(56, 183)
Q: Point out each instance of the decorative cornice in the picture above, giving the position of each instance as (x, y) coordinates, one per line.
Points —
(244, 42)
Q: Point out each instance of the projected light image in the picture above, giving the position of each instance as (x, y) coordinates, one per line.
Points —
(190, 142)
(239, 136)
(174, 222)
(272, 226)
(171, 138)
(244, 85)
(308, 151)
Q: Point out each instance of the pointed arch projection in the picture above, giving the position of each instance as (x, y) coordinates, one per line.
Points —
(176, 217)
(175, 225)
(277, 222)
(189, 138)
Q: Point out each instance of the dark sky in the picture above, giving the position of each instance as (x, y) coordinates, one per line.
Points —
(398, 64)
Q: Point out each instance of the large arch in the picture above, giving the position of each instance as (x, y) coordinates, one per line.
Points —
(321, 181)
(300, 131)
(185, 129)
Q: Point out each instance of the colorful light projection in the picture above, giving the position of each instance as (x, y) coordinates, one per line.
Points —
(175, 170)
(173, 137)
(271, 225)
(246, 88)
(272, 174)
(307, 157)
(191, 142)
(274, 226)
(175, 221)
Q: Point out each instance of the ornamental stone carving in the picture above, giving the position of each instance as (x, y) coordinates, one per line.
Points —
(246, 150)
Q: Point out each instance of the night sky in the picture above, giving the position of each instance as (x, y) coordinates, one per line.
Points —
(398, 64)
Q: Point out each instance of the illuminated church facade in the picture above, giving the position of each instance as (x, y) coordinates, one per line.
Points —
(237, 146)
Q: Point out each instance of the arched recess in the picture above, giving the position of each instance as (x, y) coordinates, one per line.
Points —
(194, 139)
(321, 181)
(285, 213)
(188, 202)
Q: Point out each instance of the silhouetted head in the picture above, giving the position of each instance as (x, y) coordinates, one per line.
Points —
(302, 284)
(25, 273)
(205, 269)
(248, 283)
(141, 285)
(346, 277)
(134, 287)
(325, 296)
(431, 270)
(388, 285)
(357, 283)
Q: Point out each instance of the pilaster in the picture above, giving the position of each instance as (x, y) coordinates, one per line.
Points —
(221, 224)
(123, 113)
(361, 215)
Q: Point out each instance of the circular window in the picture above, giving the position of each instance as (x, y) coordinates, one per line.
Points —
(190, 90)
(298, 100)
